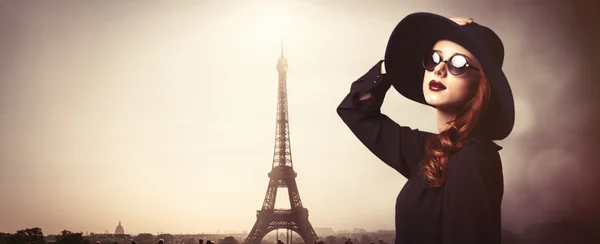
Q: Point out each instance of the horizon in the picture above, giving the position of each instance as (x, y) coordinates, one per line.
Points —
(217, 232)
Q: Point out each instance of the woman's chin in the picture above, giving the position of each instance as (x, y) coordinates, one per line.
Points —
(433, 100)
(437, 103)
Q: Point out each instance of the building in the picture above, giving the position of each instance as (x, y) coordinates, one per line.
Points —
(119, 230)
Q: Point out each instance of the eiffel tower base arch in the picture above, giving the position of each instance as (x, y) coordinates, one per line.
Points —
(269, 220)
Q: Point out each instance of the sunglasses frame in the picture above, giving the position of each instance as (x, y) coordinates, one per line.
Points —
(467, 64)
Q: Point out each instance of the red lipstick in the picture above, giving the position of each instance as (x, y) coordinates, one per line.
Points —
(436, 86)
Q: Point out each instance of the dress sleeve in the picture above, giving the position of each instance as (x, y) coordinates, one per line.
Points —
(400, 147)
(472, 198)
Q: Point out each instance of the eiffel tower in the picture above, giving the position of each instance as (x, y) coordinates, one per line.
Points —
(282, 175)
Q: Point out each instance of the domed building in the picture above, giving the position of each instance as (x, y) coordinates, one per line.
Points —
(119, 230)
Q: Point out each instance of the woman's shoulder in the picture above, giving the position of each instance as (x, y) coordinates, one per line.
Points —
(478, 147)
(477, 156)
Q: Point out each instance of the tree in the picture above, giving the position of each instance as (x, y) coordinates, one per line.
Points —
(364, 239)
(228, 240)
(190, 241)
(144, 238)
(33, 235)
(23, 236)
(67, 237)
(330, 240)
(168, 238)
(5, 238)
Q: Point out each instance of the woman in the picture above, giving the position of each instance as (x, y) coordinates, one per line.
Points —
(455, 182)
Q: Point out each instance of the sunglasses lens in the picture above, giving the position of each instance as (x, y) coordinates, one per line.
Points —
(431, 61)
(458, 64)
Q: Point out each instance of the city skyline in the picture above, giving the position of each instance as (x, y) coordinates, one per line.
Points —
(120, 230)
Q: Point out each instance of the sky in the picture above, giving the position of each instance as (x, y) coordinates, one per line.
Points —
(161, 115)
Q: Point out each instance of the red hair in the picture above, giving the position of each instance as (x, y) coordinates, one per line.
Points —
(467, 123)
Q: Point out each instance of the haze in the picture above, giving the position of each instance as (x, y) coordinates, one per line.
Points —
(162, 115)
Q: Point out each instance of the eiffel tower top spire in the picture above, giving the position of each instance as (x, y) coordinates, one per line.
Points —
(282, 65)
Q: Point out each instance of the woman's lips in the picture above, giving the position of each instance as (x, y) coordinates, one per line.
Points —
(436, 86)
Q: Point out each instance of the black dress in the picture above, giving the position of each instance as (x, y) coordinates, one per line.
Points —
(465, 209)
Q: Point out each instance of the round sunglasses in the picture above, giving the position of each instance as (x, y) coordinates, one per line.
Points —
(456, 65)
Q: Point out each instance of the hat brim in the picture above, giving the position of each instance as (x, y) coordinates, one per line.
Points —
(415, 36)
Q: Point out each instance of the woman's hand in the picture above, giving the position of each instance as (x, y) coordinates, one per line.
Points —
(462, 21)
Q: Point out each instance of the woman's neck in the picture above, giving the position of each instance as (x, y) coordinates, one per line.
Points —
(443, 117)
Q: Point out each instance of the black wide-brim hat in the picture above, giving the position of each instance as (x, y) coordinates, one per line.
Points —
(414, 37)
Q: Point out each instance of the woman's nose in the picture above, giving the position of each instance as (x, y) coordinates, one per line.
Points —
(440, 69)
